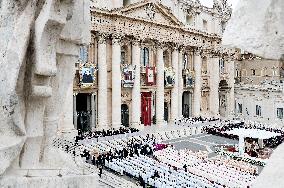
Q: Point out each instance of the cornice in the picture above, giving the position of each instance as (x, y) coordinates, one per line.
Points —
(183, 29)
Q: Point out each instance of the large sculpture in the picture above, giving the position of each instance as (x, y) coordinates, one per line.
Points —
(262, 23)
(40, 42)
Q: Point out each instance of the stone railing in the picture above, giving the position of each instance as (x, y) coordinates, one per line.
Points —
(252, 87)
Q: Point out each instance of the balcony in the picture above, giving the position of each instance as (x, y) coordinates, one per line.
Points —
(169, 77)
(127, 75)
(148, 76)
(188, 78)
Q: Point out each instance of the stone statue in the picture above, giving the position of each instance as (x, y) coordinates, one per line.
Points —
(40, 42)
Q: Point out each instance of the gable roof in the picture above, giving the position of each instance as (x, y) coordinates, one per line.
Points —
(159, 9)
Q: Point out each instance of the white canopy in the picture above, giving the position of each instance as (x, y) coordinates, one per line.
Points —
(252, 133)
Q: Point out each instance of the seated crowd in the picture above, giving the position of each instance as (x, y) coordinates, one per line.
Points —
(194, 120)
(135, 157)
(225, 171)
(139, 157)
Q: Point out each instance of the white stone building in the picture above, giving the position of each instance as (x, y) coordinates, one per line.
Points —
(259, 94)
(153, 61)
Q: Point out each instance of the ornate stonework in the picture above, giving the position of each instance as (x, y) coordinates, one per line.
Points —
(38, 71)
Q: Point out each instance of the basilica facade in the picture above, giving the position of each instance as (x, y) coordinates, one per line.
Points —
(151, 62)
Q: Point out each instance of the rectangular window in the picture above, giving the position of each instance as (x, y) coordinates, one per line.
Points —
(222, 66)
(258, 110)
(223, 26)
(205, 25)
(189, 19)
(240, 108)
(185, 61)
(280, 113)
(122, 57)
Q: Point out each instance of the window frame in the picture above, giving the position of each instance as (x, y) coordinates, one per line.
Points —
(279, 115)
(258, 110)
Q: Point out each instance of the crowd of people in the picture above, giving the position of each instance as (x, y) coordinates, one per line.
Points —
(139, 157)
(195, 120)
(220, 129)
(103, 133)
(233, 173)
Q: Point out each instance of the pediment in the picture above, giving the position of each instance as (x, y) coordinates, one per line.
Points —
(150, 11)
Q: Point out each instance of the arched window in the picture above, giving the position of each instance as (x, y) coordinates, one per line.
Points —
(166, 58)
(123, 55)
(83, 54)
(185, 61)
(145, 57)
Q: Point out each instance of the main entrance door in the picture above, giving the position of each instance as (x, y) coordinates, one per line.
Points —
(124, 115)
(83, 107)
(146, 102)
(166, 112)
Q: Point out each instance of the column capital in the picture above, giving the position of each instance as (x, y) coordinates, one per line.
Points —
(116, 38)
(198, 51)
(161, 45)
(174, 46)
(136, 42)
(102, 37)
(181, 49)
(214, 53)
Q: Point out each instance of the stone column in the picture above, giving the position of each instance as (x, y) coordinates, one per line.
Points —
(74, 110)
(93, 110)
(180, 81)
(175, 90)
(136, 95)
(160, 87)
(214, 86)
(116, 82)
(197, 85)
(102, 82)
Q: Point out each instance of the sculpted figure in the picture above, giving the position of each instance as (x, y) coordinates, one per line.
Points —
(40, 42)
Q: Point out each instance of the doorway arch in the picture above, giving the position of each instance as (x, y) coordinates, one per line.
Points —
(124, 115)
(166, 112)
(187, 104)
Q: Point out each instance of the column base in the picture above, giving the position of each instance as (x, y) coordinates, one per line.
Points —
(116, 126)
(137, 125)
(68, 130)
(160, 123)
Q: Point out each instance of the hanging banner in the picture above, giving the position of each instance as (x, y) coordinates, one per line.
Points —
(169, 77)
(128, 75)
(88, 74)
(189, 78)
(150, 75)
